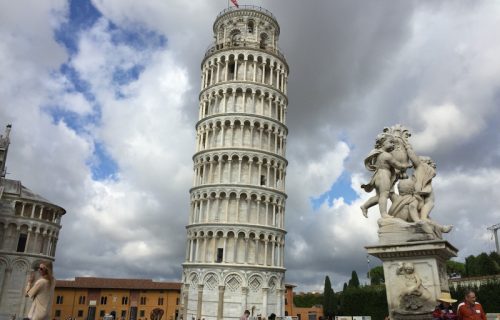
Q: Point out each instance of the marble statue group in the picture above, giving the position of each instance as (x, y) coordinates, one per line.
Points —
(396, 167)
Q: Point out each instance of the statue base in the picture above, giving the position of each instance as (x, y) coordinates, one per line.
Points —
(415, 276)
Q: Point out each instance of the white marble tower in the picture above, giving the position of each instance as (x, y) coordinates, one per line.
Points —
(236, 236)
(29, 229)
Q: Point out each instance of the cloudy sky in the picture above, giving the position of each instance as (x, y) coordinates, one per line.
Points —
(102, 96)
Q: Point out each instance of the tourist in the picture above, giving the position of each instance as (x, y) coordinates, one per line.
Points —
(470, 309)
(272, 316)
(444, 310)
(245, 315)
(41, 292)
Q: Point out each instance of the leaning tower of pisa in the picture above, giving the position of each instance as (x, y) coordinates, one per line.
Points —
(236, 236)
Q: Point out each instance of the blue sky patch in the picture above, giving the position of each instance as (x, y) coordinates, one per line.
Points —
(341, 188)
(82, 16)
(137, 37)
(124, 76)
(103, 167)
(79, 85)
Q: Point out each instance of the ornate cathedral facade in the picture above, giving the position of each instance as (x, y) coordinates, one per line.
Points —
(29, 229)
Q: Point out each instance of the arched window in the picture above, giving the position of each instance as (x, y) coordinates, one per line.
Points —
(250, 26)
(235, 37)
(263, 40)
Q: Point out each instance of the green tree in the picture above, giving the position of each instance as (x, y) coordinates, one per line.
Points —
(367, 301)
(354, 282)
(471, 267)
(495, 257)
(487, 266)
(329, 303)
(455, 267)
(481, 265)
(307, 300)
(377, 275)
(344, 287)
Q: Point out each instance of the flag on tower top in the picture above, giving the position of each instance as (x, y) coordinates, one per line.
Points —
(235, 2)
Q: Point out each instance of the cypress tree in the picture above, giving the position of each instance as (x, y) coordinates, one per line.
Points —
(354, 282)
(328, 299)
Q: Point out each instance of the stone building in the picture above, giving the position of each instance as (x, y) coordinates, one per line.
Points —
(29, 228)
(236, 236)
(89, 298)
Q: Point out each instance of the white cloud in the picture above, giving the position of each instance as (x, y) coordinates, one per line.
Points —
(321, 170)
(445, 126)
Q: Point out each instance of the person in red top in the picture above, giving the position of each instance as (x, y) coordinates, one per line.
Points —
(444, 311)
(470, 309)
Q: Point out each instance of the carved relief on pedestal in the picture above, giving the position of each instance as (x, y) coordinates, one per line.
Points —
(413, 296)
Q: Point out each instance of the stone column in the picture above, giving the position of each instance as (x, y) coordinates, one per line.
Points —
(220, 165)
(197, 258)
(24, 302)
(279, 299)
(207, 215)
(264, 301)
(226, 70)
(254, 70)
(214, 251)
(229, 171)
(258, 210)
(244, 291)
(185, 299)
(239, 169)
(188, 245)
(204, 252)
(245, 70)
(217, 206)
(6, 277)
(261, 131)
(250, 163)
(224, 246)
(271, 67)
(224, 104)
(273, 250)
(200, 301)
(267, 211)
(266, 244)
(218, 70)
(263, 80)
(235, 69)
(253, 102)
(245, 257)
(220, 304)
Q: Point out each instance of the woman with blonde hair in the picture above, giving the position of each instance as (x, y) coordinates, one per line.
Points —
(42, 292)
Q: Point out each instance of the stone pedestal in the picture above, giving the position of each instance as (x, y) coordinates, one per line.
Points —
(415, 275)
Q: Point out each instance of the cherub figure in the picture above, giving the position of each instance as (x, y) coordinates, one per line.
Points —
(409, 205)
(382, 162)
(413, 295)
(425, 170)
